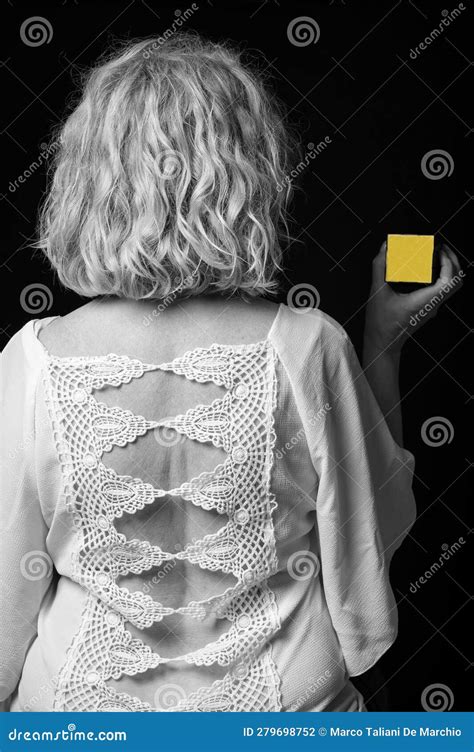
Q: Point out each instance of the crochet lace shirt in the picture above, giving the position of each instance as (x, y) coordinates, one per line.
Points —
(276, 589)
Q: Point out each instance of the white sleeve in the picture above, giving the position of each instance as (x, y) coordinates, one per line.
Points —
(25, 566)
(364, 502)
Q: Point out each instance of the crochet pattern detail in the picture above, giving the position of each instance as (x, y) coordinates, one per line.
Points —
(241, 423)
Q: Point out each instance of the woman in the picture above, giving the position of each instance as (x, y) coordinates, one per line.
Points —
(201, 493)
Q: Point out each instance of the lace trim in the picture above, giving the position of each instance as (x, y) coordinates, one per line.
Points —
(242, 423)
(251, 685)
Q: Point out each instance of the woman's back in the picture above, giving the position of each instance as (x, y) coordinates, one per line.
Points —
(193, 479)
(159, 334)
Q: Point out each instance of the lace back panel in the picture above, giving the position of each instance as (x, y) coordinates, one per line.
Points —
(241, 423)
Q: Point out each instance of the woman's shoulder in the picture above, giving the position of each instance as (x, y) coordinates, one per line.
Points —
(24, 344)
(82, 331)
(304, 328)
(22, 360)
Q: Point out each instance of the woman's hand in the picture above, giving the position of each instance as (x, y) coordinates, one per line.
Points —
(391, 315)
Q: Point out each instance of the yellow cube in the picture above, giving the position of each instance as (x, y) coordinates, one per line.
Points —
(409, 258)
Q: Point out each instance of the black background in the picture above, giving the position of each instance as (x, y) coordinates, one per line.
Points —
(382, 111)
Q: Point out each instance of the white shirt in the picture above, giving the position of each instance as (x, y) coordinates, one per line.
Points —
(237, 561)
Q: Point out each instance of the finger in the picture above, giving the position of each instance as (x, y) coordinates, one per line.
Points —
(455, 281)
(378, 266)
(447, 267)
(454, 258)
(421, 297)
(438, 292)
(449, 278)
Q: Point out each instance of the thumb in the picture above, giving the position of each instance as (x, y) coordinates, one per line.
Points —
(378, 267)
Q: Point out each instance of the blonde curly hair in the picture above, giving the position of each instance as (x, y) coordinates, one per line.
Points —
(169, 176)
